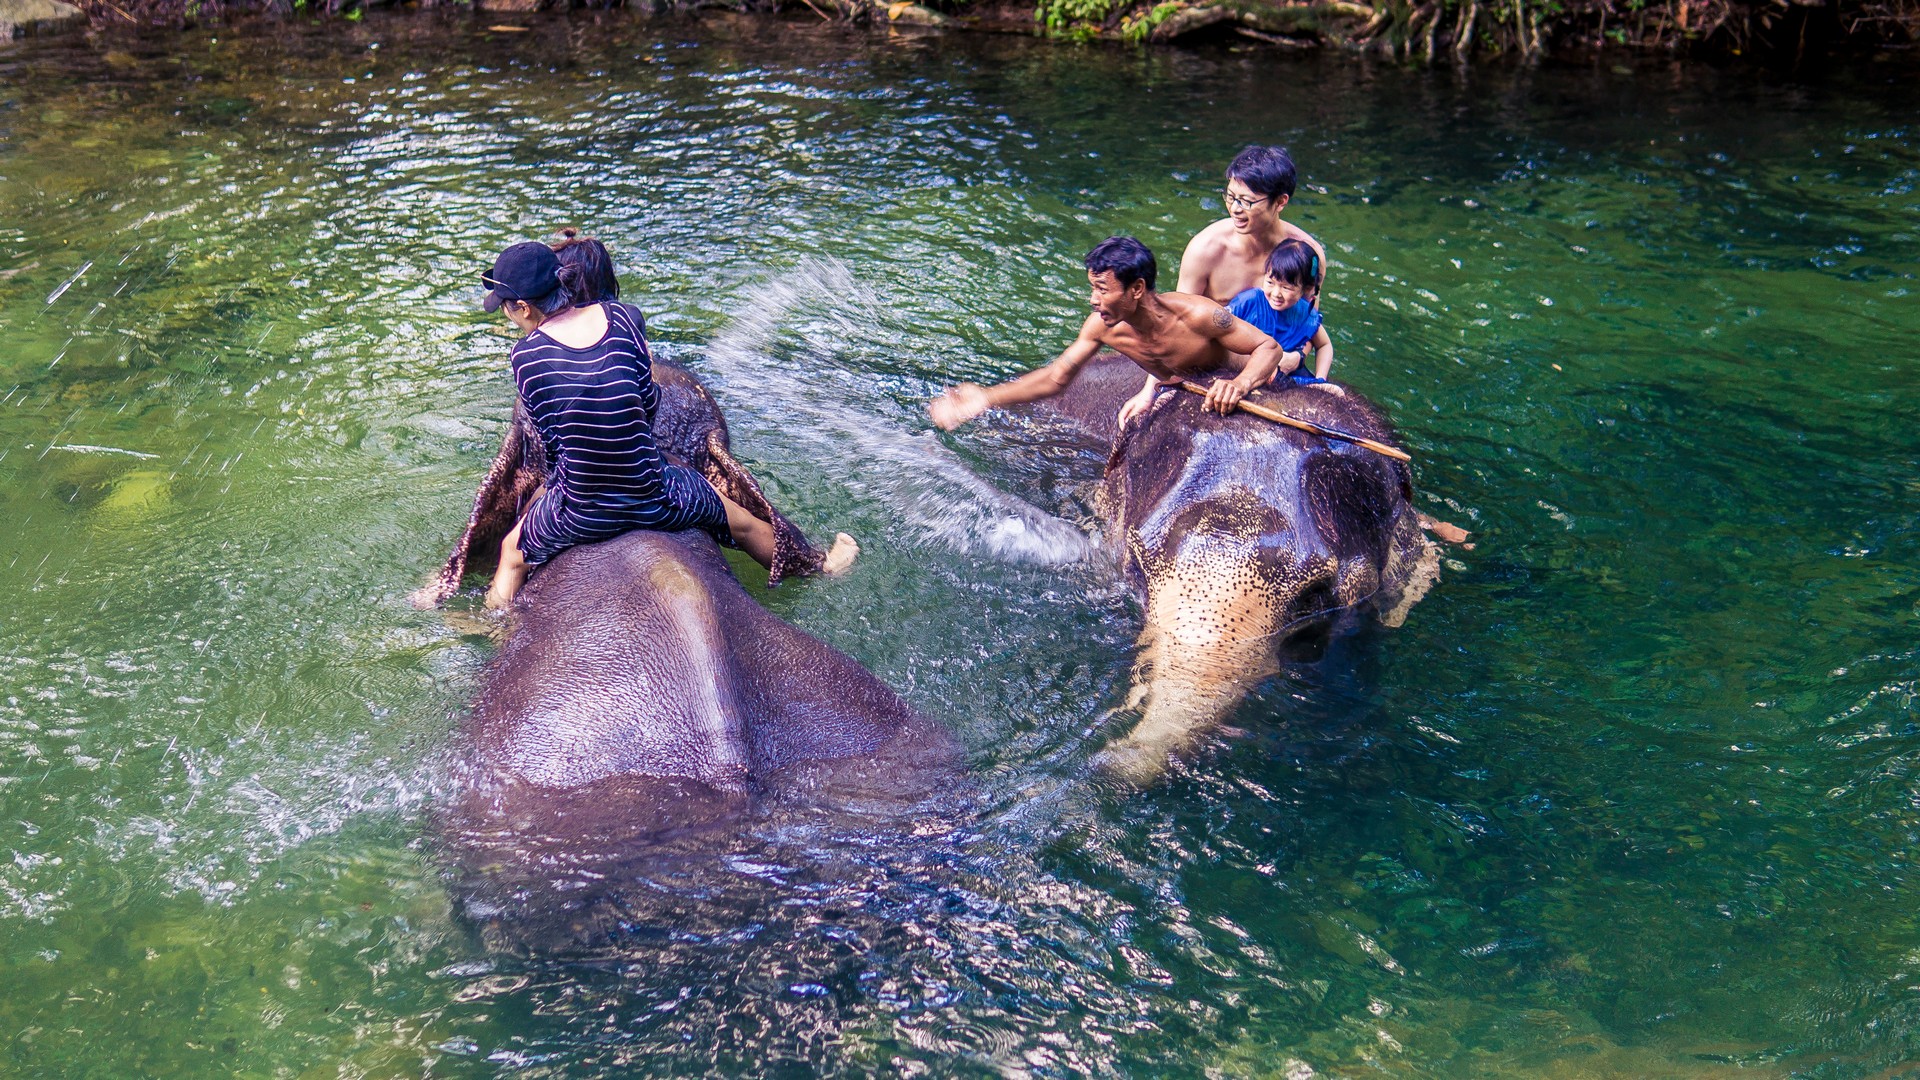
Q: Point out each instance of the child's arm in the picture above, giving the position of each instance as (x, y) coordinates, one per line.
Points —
(1322, 353)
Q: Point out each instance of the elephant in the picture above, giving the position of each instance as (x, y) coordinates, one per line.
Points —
(1240, 534)
(644, 707)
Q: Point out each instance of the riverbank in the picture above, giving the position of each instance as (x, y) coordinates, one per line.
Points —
(1783, 32)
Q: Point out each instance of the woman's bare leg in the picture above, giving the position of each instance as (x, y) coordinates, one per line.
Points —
(513, 566)
(755, 537)
(512, 573)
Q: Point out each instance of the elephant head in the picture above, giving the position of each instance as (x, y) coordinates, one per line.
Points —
(1242, 534)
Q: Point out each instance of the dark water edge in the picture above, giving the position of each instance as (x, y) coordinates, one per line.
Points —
(1632, 793)
(1804, 39)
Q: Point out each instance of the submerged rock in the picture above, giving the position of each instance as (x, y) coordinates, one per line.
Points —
(911, 14)
(18, 18)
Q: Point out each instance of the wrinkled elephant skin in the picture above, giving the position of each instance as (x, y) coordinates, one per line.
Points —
(644, 708)
(1242, 533)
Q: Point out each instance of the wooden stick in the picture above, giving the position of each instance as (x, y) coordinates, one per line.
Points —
(1309, 426)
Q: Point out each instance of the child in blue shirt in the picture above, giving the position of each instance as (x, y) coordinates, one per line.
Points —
(1284, 308)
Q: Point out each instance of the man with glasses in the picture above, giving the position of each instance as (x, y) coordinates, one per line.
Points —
(1230, 255)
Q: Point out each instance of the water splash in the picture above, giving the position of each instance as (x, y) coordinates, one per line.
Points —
(819, 309)
(84, 448)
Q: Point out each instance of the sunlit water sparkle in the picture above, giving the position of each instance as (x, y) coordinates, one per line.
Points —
(1631, 793)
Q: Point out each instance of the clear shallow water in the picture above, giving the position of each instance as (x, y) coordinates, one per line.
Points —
(1633, 792)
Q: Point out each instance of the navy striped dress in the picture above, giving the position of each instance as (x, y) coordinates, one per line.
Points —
(594, 410)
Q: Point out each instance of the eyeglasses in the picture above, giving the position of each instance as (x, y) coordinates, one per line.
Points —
(1235, 202)
(507, 292)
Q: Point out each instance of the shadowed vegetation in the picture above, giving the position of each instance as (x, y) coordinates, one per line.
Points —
(1786, 32)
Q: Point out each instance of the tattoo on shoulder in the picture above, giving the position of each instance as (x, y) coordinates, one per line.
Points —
(1222, 319)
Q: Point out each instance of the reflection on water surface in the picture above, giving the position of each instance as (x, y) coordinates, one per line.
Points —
(1631, 793)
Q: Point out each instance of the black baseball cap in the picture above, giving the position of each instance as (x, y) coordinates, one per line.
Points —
(525, 271)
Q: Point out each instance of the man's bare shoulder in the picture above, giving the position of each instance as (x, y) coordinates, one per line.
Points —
(1096, 329)
(1211, 241)
(1198, 312)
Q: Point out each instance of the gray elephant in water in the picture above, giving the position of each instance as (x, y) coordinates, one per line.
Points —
(644, 704)
(1242, 534)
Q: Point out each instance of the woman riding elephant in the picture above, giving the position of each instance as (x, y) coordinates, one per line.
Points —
(643, 709)
(586, 387)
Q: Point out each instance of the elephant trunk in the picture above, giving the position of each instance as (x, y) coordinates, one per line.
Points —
(1183, 693)
(1216, 614)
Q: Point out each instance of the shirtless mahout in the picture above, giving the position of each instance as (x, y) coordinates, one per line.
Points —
(1229, 256)
(1170, 335)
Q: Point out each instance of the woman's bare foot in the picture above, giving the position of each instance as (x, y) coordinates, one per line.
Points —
(506, 583)
(840, 558)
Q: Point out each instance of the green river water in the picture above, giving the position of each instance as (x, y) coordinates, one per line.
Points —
(1635, 791)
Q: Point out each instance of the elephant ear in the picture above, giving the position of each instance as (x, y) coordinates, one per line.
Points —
(517, 472)
(1353, 502)
(1117, 457)
(793, 555)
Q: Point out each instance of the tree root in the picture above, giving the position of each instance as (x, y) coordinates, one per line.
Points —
(1463, 36)
(1274, 39)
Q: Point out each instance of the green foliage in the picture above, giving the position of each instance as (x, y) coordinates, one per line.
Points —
(1137, 28)
(1072, 17)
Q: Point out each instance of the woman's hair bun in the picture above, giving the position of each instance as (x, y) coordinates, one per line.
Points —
(570, 233)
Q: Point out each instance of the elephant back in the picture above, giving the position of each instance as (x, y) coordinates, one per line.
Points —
(1093, 399)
